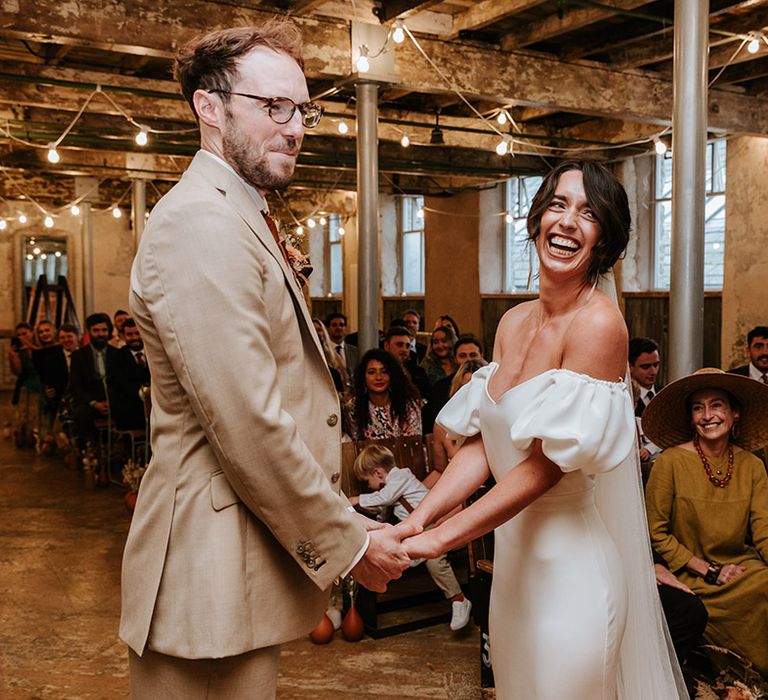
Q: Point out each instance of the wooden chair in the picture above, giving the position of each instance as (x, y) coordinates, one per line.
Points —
(414, 453)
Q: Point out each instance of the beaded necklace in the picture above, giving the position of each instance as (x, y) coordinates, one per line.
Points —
(715, 477)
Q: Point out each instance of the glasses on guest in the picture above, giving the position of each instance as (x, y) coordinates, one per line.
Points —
(282, 109)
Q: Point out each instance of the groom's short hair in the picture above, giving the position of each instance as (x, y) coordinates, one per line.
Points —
(372, 458)
(210, 61)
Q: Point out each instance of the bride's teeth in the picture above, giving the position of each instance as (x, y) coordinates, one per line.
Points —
(563, 242)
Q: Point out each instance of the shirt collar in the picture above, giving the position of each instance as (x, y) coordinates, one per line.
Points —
(260, 201)
(755, 373)
(644, 392)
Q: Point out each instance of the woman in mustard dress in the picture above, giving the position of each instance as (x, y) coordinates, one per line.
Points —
(707, 501)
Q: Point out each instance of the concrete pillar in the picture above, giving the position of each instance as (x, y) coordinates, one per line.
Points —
(138, 209)
(689, 139)
(86, 269)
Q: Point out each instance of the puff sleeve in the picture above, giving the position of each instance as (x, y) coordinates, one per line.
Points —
(460, 417)
(583, 423)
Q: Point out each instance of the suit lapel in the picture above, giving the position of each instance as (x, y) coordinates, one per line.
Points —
(246, 207)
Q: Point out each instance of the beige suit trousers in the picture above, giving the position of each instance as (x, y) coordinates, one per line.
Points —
(251, 676)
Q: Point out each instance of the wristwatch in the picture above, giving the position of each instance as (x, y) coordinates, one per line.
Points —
(713, 572)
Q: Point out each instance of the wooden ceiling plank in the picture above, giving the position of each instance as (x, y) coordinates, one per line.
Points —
(487, 12)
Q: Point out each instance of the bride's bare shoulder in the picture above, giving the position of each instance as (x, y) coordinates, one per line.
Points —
(596, 340)
(509, 324)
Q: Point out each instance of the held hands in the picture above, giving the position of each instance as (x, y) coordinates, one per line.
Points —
(665, 577)
(729, 573)
(385, 559)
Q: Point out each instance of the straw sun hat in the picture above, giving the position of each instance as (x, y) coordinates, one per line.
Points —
(667, 419)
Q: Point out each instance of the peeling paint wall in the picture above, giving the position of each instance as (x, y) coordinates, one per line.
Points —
(745, 289)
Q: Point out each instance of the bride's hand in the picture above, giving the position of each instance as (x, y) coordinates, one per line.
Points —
(423, 546)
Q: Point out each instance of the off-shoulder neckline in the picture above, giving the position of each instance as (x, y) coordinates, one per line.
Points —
(493, 366)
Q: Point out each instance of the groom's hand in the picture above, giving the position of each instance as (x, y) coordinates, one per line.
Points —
(384, 560)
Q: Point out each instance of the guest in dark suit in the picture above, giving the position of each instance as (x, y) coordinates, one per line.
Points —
(757, 343)
(644, 363)
(413, 323)
(129, 381)
(397, 342)
(336, 323)
(89, 368)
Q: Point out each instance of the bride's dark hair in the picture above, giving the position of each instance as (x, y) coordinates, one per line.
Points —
(608, 201)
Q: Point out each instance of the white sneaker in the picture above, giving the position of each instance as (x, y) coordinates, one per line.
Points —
(460, 614)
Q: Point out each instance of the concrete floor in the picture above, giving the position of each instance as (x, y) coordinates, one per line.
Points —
(60, 551)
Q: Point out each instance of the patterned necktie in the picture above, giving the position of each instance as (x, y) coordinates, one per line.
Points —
(140, 359)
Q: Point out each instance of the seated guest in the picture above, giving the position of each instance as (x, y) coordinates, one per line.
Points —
(757, 345)
(129, 380)
(119, 318)
(438, 362)
(385, 404)
(51, 364)
(333, 360)
(707, 501)
(444, 448)
(89, 368)
(466, 349)
(69, 339)
(336, 324)
(397, 342)
(413, 324)
(445, 320)
(398, 488)
(644, 362)
(27, 384)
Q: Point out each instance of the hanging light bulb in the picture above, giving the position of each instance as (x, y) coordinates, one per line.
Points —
(30, 256)
(44, 256)
(754, 45)
(22, 218)
(343, 128)
(53, 154)
(420, 214)
(502, 117)
(398, 35)
(659, 145)
(311, 223)
(502, 147)
(36, 251)
(3, 224)
(142, 137)
(116, 212)
(508, 218)
(341, 231)
(74, 210)
(362, 64)
(48, 222)
(299, 230)
(58, 253)
(323, 221)
(405, 141)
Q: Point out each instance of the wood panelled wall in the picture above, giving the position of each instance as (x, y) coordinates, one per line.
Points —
(321, 307)
(395, 307)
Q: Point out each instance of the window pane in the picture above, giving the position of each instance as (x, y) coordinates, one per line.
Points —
(663, 244)
(718, 166)
(521, 263)
(663, 176)
(413, 263)
(714, 241)
(337, 274)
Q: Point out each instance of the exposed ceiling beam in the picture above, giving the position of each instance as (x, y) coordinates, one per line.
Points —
(486, 12)
(392, 9)
(571, 20)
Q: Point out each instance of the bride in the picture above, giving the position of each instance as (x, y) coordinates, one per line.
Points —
(574, 611)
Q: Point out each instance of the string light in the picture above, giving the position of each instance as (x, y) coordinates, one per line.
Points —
(323, 221)
(30, 256)
(58, 253)
(117, 212)
(22, 218)
(343, 128)
(341, 231)
(74, 210)
(44, 256)
(53, 154)
(502, 147)
(3, 224)
(659, 145)
(48, 223)
(502, 117)
(362, 64)
(142, 137)
(36, 251)
(420, 214)
(398, 35)
(299, 230)
(508, 218)
(311, 223)
(405, 141)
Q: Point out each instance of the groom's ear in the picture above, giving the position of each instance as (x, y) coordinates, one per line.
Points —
(209, 108)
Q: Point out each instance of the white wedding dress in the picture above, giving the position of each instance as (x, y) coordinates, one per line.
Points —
(560, 600)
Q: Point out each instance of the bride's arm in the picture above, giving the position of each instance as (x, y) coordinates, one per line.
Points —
(462, 477)
(517, 489)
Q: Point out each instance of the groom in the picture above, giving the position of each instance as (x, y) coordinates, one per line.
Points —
(239, 530)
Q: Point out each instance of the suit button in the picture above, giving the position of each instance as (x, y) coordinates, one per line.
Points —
(334, 477)
(333, 419)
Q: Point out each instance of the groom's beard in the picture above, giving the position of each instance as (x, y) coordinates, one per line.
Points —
(98, 343)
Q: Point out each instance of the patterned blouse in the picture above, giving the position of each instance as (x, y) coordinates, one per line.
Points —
(382, 424)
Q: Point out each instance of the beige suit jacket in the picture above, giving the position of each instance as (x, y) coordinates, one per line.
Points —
(239, 529)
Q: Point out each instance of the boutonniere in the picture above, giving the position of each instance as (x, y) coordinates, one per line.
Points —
(297, 258)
